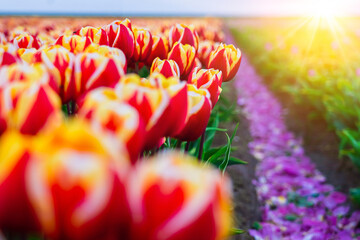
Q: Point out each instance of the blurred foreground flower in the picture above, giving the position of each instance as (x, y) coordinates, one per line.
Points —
(172, 196)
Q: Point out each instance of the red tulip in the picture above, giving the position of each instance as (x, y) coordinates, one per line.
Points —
(143, 44)
(176, 112)
(104, 110)
(184, 56)
(209, 79)
(97, 35)
(76, 183)
(121, 36)
(116, 54)
(35, 73)
(225, 58)
(198, 114)
(26, 40)
(74, 43)
(37, 107)
(205, 48)
(151, 102)
(160, 49)
(57, 59)
(183, 34)
(91, 70)
(168, 68)
(172, 197)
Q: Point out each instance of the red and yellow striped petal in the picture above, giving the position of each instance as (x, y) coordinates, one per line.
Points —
(199, 109)
(184, 56)
(74, 43)
(143, 44)
(225, 58)
(172, 196)
(209, 79)
(168, 68)
(183, 34)
(97, 35)
(121, 36)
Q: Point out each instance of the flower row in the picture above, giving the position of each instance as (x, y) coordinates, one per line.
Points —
(73, 182)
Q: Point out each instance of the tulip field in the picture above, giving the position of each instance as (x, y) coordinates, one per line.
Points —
(107, 129)
(179, 129)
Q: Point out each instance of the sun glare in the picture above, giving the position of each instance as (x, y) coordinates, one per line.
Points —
(325, 8)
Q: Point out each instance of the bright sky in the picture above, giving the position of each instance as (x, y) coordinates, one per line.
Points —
(183, 7)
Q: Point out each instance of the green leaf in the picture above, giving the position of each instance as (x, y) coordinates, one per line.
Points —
(216, 129)
(144, 72)
(256, 225)
(236, 231)
(291, 217)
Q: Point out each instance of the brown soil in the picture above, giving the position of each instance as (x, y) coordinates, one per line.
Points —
(246, 205)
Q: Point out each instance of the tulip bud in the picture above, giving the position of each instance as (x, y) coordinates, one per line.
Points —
(143, 44)
(176, 112)
(209, 79)
(38, 107)
(97, 35)
(57, 59)
(26, 40)
(121, 36)
(160, 49)
(168, 68)
(91, 70)
(205, 48)
(184, 56)
(225, 58)
(116, 54)
(172, 196)
(183, 34)
(151, 102)
(74, 43)
(23, 72)
(115, 116)
(27, 54)
(198, 114)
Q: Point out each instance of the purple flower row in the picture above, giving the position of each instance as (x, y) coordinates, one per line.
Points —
(297, 202)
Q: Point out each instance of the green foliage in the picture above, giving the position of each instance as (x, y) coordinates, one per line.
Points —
(315, 67)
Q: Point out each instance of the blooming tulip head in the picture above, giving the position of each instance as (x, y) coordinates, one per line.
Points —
(74, 43)
(176, 111)
(143, 44)
(160, 49)
(209, 79)
(151, 102)
(37, 107)
(57, 59)
(121, 36)
(102, 108)
(205, 48)
(91, 70)
(225, 58)
(168, 68)
(199, 109)
(183, 34)
(172, 196)
(184, 56)
(97, 35)
(35, 73)
(116, 54)
(26, 41)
